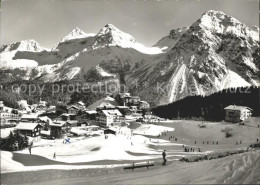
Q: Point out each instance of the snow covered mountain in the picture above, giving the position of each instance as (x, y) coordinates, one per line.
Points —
(215, 52)
(110, 50)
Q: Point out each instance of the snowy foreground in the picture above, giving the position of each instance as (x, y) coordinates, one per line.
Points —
(120, 147)
(104, 158)
(237, 169)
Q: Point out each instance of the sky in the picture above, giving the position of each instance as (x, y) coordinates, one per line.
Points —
(48, 21)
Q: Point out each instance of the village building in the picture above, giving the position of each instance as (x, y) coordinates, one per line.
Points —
(29, 129)
(124, 110)
(143, 105)
(80, 105)
(29, 118)
(59, 128)
(87, 116)
(123, 99)
(23, 105)
(73, 110)
(42, 103)
(107, 118)
(67, 117)
(236, 113)
(110, 131)
(104, 103)
(51, 109)
(134, 100)
(6, 118)
(45, 122)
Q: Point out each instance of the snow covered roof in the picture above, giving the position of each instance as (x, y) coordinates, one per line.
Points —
(122, 107)
(29, 116)
(73, 107)
(27, 126)
(58, 123)
(235, 107)
(78, 131)
(113, 112)
(81, 103)
(45, 119)
(104, 102)
(66, 114)
(91, 112)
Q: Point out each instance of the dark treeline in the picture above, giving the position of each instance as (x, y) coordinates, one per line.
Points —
(211, 107)
(56, 93)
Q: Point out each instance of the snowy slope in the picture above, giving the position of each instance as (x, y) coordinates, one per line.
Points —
(168, 42)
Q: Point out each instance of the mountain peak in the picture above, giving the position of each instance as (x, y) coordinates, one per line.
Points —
(215, 13)
(24, 45)
(76, 33)
(109, 28)
(115, 36)
(221, 23)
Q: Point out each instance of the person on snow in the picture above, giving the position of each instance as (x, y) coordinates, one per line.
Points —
(164, 157)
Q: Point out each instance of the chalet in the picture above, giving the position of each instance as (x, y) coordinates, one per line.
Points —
(6, 117)
(147, 114)
(89, 115)
(23, 105)
(107, 118)
(73, 110)
(236, 113)
(29, 118)
(45, 122)
(67, 117)
(123, 98)
(143, 105)
(29, 129)
(51, 109)
(104, 103)
(124, 110)
(110, 131)
(42, 103)
(134, 100)
(58, 128)
(80, 105)
(92, 128)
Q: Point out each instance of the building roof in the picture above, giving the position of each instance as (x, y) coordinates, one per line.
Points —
(73, 106)
(122, 107)
(29, 116)
(112, 112)
(104, 102)
(235, 107)
(58, 123)
(27, 126)
(91, 111)
(81, 103)
(112, 128)
(45, 119)
(67, 115)
(78, 131)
